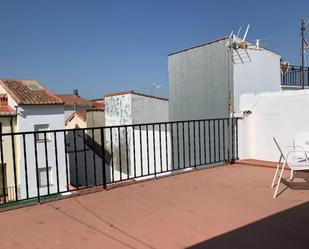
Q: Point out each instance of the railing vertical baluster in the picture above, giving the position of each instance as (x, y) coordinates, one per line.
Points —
(93, 157)
(56, 161)
(160, 138)
(76, 163)
(103, 157)
(178, 157)
(2, 165)
(46, 163)
(233, 144)
(147, 150)
(127, 153)
(85, 158)
(236, 138)
(199, 142)
(36, 166)
(172, 143)
(154, 150)
(228, 130)
(141, 149)
(26, 165)
(119, 150)
(66, 159)
(183, 145)
(223, 134)
(166, 147)
(134, 153)
(219, 139)
(189, 143)
(14, 166)
(204, 126)
(209, 143)
(112, 154)
(194, 144)
(214, 140)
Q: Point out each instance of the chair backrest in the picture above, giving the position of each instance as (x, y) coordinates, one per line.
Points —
(280, 150)
(297, 152)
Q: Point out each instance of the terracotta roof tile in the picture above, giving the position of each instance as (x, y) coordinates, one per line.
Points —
(29, 92)
(71, 99)
(98, 105)
(81, 114)
(6, 110)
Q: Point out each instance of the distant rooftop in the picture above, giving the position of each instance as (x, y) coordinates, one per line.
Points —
(98, 105)
(6, 110)
(80, 114)
(74, 99)
(136, 93)
(29, 92)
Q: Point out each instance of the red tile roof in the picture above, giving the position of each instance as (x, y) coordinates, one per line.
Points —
(6, 110)
(81, 114)
(72, 99)
(29, 92)
(98, 105)
(136, 93)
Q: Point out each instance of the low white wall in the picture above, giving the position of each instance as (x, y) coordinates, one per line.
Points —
(273, 114)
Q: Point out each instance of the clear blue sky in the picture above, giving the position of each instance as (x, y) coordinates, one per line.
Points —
(105, 46)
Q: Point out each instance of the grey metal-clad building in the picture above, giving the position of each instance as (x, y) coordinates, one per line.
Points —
(199, 82)
(199, 88)
(205, 83)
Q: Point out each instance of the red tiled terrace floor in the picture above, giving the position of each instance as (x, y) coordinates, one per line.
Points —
(224, 207)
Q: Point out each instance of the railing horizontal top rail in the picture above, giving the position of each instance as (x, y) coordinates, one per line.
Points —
(114, 126)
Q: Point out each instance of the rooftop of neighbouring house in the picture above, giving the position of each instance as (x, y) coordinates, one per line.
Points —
(5, 109)
(222, 207)
(74, 99)
(29, 92)
(135, 93)
(98, 104)
(80, 114)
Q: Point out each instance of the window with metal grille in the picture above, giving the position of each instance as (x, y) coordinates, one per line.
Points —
(40, 135)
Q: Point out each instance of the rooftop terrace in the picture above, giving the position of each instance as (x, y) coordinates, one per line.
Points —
(223, 207)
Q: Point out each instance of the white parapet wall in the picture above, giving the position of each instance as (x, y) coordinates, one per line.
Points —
(282, 115)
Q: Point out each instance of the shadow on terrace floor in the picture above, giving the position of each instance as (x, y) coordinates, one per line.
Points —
(284, 230)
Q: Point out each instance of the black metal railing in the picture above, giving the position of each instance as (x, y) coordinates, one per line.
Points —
(292, 76)
(70, 160)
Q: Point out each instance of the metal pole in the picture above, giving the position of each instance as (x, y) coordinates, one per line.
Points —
(302, 53)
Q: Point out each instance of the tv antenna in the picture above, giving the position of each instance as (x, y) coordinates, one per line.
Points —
(239, 47)
(155, 86)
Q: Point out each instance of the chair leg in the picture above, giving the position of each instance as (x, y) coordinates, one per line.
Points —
(279, 180)
(292, 175)
(275, 176)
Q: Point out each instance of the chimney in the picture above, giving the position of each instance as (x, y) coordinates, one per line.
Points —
(75, 92)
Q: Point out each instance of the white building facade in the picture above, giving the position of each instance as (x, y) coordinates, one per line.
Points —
(36, 166)
(139, 146)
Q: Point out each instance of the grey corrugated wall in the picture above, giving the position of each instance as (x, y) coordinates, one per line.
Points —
(198, 82)
(199, 89)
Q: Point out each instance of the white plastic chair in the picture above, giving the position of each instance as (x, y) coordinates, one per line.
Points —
(295, 158)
